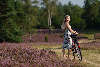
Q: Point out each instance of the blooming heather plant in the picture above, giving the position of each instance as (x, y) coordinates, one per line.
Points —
(21, 56)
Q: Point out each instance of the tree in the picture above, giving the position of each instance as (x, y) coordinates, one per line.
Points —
(68, 9)
(9, 31)
(91, 12)
(97, 24)
(76, 16)
(20, 14)
(30, 14)
(50, 6)
(42, 18)
(59, 16)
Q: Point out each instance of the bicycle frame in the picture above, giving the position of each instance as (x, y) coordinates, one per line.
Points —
(76, 47)
(74, 40)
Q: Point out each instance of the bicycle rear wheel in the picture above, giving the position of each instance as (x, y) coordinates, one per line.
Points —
(78, 53)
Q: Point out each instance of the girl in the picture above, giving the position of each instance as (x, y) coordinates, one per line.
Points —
(67, 44)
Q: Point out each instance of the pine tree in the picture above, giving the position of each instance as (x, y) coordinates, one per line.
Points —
(9, 31)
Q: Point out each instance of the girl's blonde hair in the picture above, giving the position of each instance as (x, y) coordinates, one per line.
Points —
(63, 23)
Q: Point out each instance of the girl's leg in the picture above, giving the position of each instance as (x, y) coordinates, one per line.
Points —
(68, 52)
(63, 51)
(70, 46)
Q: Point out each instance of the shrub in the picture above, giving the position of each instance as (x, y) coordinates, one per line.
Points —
(46, 38)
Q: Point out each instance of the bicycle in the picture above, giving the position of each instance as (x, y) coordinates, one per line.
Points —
(76, 47)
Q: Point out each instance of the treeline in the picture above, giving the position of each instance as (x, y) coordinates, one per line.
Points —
(18, 17)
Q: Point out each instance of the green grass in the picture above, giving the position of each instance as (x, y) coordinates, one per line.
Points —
(91, 31)
(92, 57)
(90, 36)
(44, 46)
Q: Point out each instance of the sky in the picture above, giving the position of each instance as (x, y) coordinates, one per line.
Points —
(75, 2)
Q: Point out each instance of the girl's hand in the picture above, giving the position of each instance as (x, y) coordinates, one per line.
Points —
(75, 32)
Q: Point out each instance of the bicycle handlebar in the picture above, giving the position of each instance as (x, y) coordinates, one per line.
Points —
(74, 36)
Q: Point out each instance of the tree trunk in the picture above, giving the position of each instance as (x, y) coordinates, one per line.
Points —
(49, 19)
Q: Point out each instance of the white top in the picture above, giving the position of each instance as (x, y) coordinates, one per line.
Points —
(63, 26)
(68, 31)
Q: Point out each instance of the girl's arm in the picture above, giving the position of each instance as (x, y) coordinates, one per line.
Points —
(70, 29)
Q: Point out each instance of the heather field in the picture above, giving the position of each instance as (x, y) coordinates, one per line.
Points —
(90, 52)
(32, 32)
(46, 55)
(27, 55)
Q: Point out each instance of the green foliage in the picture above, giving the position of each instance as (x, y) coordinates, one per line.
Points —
(50, 9)
(76, 16)
(91, 12)
(46, 38)
(18, 17)
(9, 31)
(59, 17)
(77, 21)
(43, 19)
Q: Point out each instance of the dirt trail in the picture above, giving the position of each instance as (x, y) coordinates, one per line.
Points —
(90, 62)
(83, 61)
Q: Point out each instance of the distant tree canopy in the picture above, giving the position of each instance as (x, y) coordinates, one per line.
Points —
(91, 13)
(18, 17)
